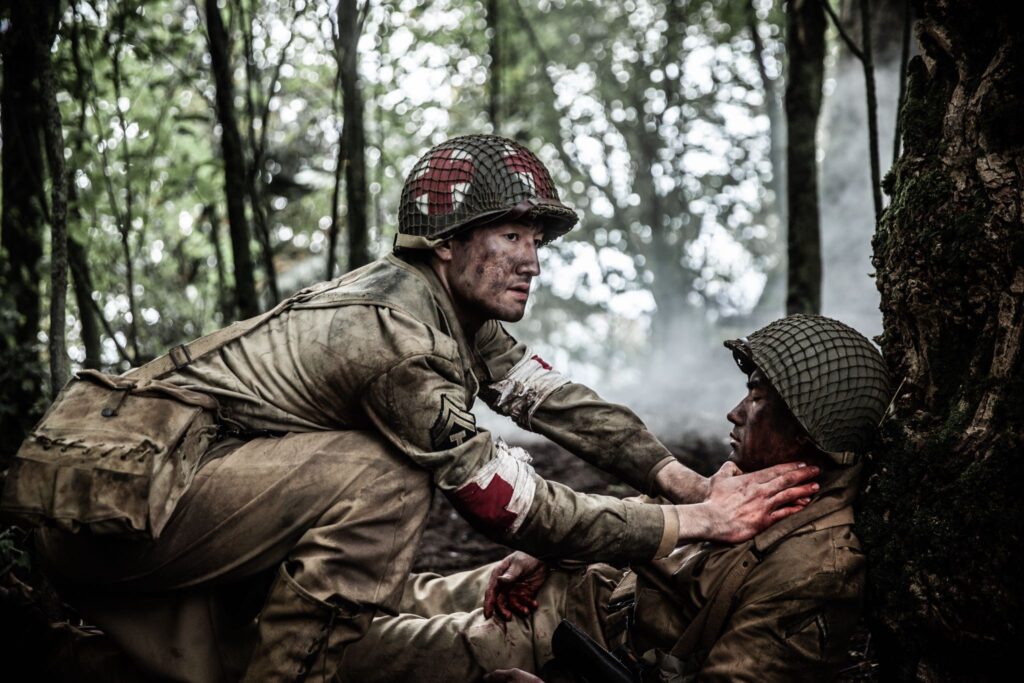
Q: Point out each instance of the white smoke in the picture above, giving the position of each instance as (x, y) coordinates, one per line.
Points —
(847, 210)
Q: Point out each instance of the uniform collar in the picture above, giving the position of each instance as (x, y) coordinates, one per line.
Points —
(838, 491)
(446, 311)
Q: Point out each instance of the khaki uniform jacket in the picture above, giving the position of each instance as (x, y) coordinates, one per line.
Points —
(381, 349)
(790, 619)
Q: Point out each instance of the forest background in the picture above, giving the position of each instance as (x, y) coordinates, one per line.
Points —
(174, 165)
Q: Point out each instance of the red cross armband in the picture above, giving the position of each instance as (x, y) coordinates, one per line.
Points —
(525, 387)
(499, 494)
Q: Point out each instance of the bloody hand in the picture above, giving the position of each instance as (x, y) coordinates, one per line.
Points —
(513, 586)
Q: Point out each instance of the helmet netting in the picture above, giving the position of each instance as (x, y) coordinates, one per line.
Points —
(474, 178)
(830, 376)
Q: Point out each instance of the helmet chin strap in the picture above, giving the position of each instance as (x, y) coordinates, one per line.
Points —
(416, 242)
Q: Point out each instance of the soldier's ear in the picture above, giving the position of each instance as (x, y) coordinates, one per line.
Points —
(443, 251)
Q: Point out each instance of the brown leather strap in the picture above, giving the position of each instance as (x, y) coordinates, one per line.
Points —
(705, 628)
(703, 631)
(186, 354)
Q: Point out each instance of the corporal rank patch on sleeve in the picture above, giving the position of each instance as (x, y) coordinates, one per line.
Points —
(453, 427)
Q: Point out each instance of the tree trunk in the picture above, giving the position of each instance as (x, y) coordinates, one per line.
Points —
(773, 296)
(53, 135)
(224, 303)
(805, 30)
(353, 135)
(494, 71)
(21, 224)
(234, 162)
(942, 516)
(81, 276)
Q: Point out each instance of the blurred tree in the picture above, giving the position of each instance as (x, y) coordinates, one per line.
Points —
(648, 143)
(494, 68)
(352, 145)
(942, 514)
(805, 41)
(25, 48)
(235, 173)
(53, 143)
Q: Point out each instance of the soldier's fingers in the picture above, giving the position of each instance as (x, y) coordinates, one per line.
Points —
(775, 471)
(521, 604)
(491, 593)
(729, 469)
(791, 495)
(782, 513)
(489, 600)
(503, 607)
(793, 478)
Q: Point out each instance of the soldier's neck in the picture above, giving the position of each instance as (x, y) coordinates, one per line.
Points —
(469, 320)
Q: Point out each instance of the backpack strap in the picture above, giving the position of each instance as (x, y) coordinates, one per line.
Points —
(183, 355)
(705, 628)
(702, 633)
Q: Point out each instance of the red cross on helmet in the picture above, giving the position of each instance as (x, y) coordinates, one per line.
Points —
(473, 180)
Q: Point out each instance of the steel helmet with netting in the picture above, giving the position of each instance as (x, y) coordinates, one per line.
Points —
(474, 180)
(831, 377)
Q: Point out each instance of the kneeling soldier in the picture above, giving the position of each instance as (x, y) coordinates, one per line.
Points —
(341, 410)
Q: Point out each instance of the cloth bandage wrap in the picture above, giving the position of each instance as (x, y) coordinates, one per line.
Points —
(500, 493)
(525, 387)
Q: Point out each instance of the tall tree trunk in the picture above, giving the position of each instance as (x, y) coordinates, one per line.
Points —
(805, 31)
(78, 261)
(21, 223)
(81, 276)
(224, 302)
(494, 72)
(772, 301)
(234, 162)
(53, 135)
(942, 516)
(353, 134)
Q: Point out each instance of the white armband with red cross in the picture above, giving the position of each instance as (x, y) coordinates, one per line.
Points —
(525, 387)
(500, 493)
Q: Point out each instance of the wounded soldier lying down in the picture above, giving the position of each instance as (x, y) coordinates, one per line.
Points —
(779, 607)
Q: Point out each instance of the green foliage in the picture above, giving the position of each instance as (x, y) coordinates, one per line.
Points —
(623, 100)
(13, 556)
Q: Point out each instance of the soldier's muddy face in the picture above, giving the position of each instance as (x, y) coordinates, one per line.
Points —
(489, 272)
(764, 431)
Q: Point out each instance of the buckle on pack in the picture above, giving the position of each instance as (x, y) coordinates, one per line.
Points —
(181, 348)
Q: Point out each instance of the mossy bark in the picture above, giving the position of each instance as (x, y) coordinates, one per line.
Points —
(942, 515)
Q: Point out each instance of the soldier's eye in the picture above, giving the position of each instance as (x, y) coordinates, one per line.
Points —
(512, 236)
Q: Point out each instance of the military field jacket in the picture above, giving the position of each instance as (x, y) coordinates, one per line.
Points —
(381, 349)
(790, 619)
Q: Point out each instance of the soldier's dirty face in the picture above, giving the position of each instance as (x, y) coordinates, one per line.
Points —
(764, 431)
(489, 273)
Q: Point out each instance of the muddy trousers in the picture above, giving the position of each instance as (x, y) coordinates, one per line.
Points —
(441, 635)
(329, 521)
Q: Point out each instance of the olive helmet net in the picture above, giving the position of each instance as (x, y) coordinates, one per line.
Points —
(830, 376)
(476, 179)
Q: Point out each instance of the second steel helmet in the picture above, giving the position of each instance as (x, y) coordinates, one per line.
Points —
(831, 377)
(473, 180)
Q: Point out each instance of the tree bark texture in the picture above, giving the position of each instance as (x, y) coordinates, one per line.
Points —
(943, 518)
(234, 162)
(805, 26)
(53, 135)
(81, 277)
(21, 223)
(353, 134)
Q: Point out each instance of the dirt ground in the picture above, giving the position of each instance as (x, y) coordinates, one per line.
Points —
(40, 639)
